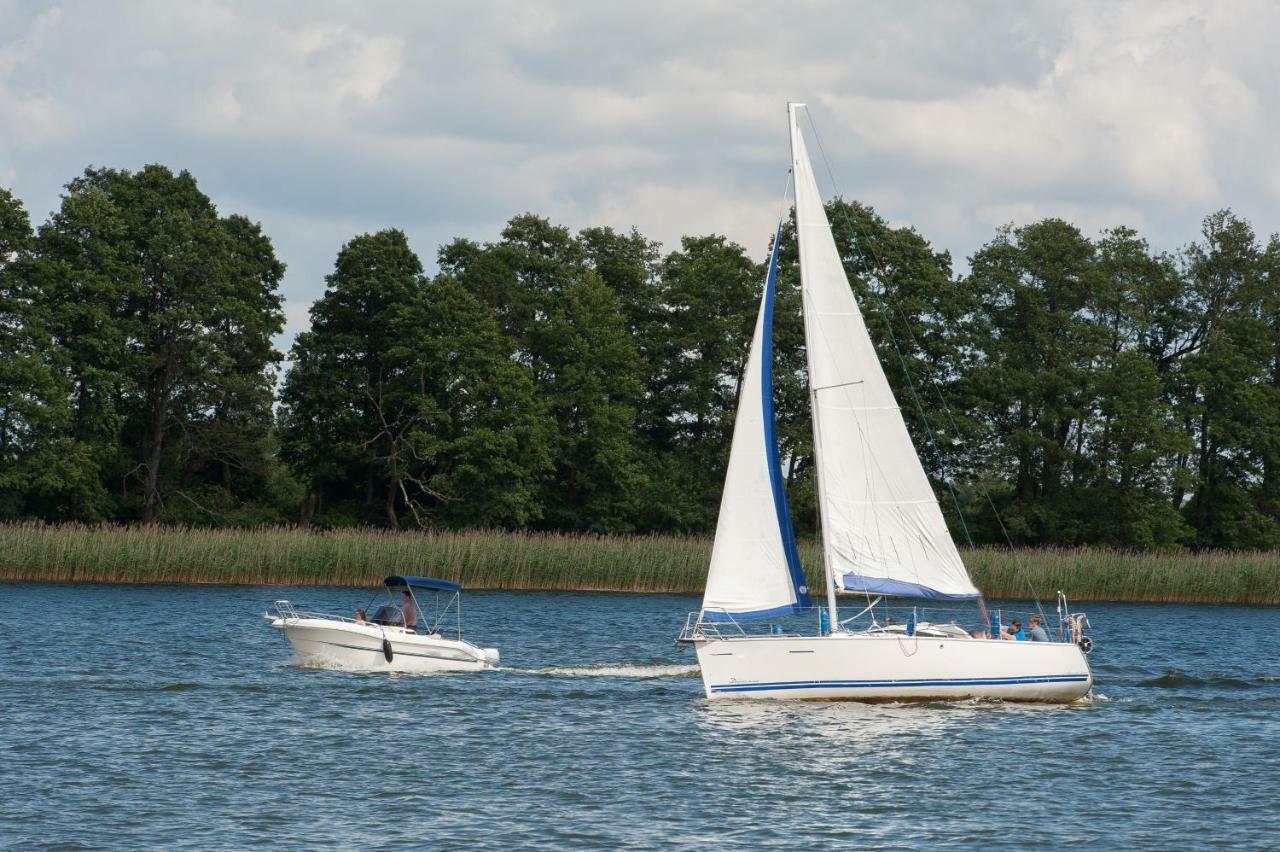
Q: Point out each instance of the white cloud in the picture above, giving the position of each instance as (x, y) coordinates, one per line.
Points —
(218, 110)
(29, 116)
(324, 119)
(706, 209)
(1090, 219)
(35, 120)
(1130, 99)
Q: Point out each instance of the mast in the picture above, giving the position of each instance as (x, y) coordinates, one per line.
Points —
(827, 559)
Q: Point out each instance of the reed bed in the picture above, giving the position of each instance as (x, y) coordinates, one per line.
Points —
(556, 561)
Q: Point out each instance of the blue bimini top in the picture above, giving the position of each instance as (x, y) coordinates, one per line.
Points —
(423, 583)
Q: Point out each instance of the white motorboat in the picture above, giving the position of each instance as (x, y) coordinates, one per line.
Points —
(400, 635)
(883, 533)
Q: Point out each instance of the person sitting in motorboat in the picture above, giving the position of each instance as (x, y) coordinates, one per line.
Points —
(409, 611)
(360, 619)
(1014, 632)
(1036, 631)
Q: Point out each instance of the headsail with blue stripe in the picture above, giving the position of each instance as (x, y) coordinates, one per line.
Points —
(755, 567)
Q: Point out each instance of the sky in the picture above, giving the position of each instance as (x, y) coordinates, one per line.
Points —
(324, 120)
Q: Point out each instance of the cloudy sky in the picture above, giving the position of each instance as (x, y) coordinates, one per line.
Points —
(323, 119)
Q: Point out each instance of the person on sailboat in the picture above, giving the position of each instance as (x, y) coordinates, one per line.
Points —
(1014, 632)
(1036, 632)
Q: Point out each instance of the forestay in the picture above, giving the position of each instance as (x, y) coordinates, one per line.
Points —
(755, 569)
(883, 532)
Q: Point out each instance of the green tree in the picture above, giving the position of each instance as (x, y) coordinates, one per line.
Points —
(80, 281)
(479, 449)
(36, 461)
(569, 331)
(628, 264)
(407, 390)
(162, 314)
(1268, 416)
(1229, 384)
(1033, 380)
(332, 393)
(226, 445)
(1126, 471)
(26, 381)
(706, 311)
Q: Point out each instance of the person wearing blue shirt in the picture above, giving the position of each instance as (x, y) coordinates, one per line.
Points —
(1014, 631)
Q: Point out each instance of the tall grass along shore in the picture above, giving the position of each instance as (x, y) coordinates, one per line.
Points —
(507, 560)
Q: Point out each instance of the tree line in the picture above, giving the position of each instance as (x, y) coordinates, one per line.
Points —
(1065, 390)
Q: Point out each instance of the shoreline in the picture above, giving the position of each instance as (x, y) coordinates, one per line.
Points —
(569, 562)
(988, 599)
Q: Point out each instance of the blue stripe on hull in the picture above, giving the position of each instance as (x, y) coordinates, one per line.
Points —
(923, 682)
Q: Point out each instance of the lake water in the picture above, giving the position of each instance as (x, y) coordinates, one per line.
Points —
(166, 716)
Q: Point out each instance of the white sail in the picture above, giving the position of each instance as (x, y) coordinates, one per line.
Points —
(755, 570)
(882, 529)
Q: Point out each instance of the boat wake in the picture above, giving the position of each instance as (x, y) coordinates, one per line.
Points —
(614, 670)
(324, 664)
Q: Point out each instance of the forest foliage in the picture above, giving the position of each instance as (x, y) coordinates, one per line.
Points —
(1067, 389)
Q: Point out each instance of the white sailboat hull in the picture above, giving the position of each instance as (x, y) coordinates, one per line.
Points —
(859, 667)
(359, 647)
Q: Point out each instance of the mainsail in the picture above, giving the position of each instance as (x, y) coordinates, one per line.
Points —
(882, 529)
(755, 569)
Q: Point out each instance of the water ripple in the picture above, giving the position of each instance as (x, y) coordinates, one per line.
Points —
(144, 729)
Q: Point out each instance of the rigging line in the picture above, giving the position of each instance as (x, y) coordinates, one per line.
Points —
(955, 430)
(782, 202)
(929, 430)
(986, 493)
(868, 462)
(882, 299)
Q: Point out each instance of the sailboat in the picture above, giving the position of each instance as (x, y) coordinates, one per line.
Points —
(883, 532)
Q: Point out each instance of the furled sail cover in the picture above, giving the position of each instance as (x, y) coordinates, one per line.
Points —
(883, 532)
(755, 568)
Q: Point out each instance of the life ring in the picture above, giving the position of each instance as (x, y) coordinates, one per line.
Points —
(1086, 644)
(386, 650)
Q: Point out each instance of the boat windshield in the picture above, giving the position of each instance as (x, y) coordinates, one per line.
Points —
(388, 614)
